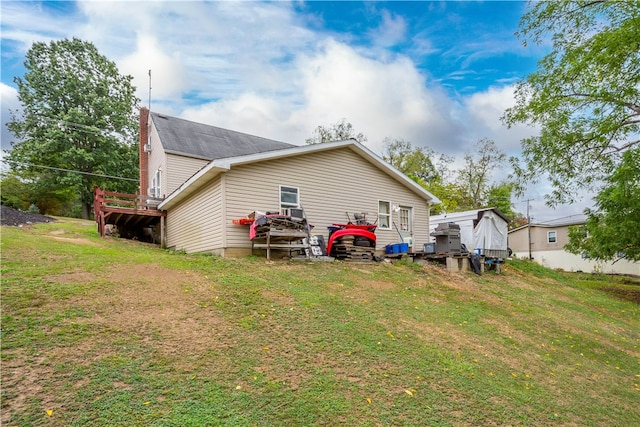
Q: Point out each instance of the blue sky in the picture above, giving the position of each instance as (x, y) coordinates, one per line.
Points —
(438, 74)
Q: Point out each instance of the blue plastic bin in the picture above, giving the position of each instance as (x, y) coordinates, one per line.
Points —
(397, 248)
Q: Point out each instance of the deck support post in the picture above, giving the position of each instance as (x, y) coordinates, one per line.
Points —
(163, 242)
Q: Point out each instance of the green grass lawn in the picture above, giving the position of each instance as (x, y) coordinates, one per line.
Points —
(113, 332)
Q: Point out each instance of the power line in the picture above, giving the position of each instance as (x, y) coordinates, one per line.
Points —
(70, 170)
(79, 127)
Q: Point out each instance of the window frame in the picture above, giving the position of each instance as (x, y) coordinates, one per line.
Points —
(156, 182)
(288, 205)
(555, 236)
(409, 211)
(386, 215)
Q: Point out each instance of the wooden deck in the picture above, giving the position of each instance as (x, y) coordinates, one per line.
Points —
(133, 215)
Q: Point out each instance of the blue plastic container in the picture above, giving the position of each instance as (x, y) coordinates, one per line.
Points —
(397, 248)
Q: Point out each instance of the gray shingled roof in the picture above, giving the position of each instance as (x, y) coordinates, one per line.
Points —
(565, 220)
(179, 136)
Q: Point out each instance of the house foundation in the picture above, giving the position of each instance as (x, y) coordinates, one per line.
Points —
(457, 264)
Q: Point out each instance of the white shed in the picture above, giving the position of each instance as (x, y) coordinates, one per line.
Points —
(484, 229)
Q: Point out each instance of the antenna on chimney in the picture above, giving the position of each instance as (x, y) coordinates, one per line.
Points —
(149, 89)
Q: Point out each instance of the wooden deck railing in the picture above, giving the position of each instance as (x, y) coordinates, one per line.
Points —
(106, 203)
(124, 200)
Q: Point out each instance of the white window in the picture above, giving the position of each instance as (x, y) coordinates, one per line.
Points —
(551, 237)
(384, 215)
(156, 187)
(405, 219)
(289, 197)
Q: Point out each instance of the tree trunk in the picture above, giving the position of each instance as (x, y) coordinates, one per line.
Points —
(86, 210)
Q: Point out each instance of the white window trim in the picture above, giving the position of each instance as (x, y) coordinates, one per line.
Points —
(409, 210)
(156, 183)
(285, 205)
(555, 237)
(388, 215)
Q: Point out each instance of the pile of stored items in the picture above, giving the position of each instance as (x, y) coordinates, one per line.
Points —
(353, 241)
(284, 232)
(262, 225)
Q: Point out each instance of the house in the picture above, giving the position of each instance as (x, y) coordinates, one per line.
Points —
(484, 229)
(545, 241)
(208, 177)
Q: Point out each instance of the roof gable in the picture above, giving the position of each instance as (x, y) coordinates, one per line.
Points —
(191, 139)
(218, 166)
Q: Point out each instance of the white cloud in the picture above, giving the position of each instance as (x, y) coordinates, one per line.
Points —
(25, 23)
(391, 30)
(9, 101)
(485, 110)
(168, 75)
(378, 99)
(205, 51)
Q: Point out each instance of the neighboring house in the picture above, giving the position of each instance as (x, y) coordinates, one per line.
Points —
(210, 176)
(485, 229)
(547, 248)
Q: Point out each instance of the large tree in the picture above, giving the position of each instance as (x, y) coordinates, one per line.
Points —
(474, 178)
(340, 131)
(78, 114)
(612, 230)
(584, 97)
(411, 161)
(473, 187)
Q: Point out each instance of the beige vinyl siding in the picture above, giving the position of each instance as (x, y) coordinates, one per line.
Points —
(179, 169)
(175, 169)
(195, 225)
(519, 240)
(552, 255)
(539, 238)
(157, 160)
(331, 183)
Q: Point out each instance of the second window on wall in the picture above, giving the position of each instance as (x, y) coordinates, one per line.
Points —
(389, 214)
(384, 215)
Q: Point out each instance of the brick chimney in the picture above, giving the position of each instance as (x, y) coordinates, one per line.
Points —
(144, 156)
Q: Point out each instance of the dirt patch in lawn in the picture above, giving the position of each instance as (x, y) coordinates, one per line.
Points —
(167, 309)
(71, 278)
(22, 378)
(173, 308)
(74, 240)
(628, 294)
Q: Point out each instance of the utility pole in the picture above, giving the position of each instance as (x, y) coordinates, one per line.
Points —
(529, 228)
